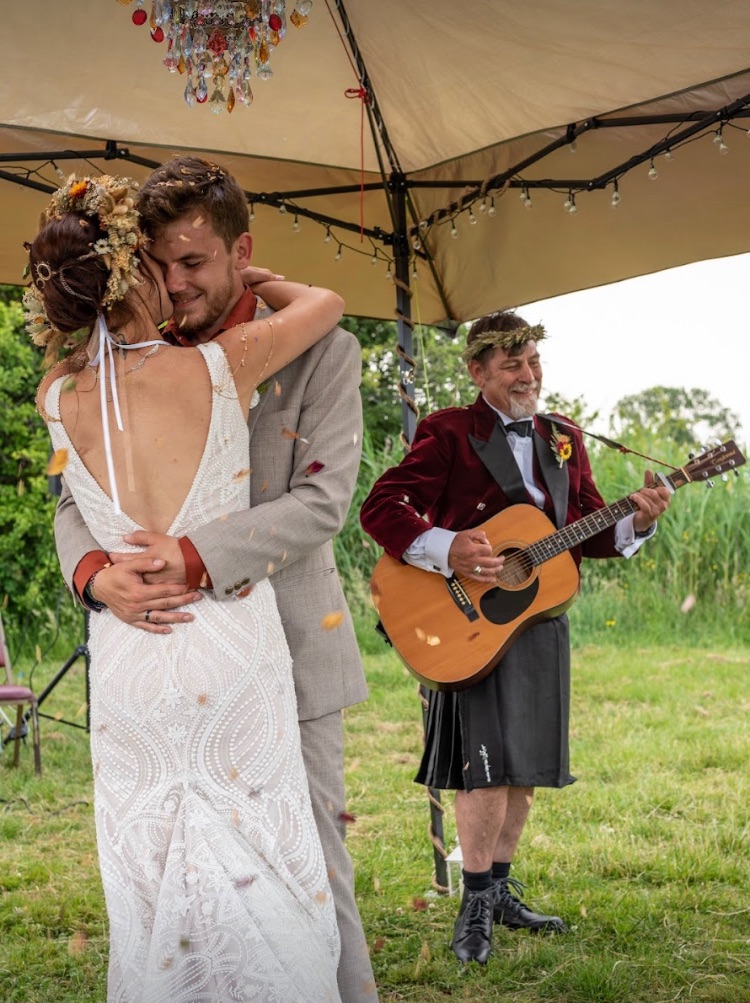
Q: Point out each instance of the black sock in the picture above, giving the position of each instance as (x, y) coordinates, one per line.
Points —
(477, 881)
(500, 871)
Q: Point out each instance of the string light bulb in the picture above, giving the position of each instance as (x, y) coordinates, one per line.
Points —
(295, 225)
(492, 211)
(374, 258)
(282, 208)
(615, 200)
(454, 231)
(423, 224)
(669, 155)
(483, 203)
(526, 198)
(327, 238)
(338, 254)
(472, 217)
(652, 172)
(251, 217)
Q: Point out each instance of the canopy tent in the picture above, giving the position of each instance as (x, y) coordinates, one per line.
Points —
(462, 107)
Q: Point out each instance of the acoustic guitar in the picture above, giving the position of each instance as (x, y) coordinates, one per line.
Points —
(451, 632)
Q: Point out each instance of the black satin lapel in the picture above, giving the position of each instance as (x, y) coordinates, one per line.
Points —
(497, 456)
(556, 478)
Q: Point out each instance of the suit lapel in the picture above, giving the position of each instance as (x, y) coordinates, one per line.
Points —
(497, 456)
(255, 412)
(556, 477)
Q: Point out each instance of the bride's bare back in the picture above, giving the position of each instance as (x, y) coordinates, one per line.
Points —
(165, 401)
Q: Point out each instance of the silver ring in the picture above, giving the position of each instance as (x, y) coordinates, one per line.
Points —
(477, 570)
(147, 617)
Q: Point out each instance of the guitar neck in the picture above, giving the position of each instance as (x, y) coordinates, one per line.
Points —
(591, 524)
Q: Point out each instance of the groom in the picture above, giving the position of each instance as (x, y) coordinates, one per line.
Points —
(305, 440)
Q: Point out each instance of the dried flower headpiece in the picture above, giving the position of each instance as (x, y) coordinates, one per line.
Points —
(111, 201)
(503, 339)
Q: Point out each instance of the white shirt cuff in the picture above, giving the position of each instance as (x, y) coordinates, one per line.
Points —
(626, 542)
(430, 551)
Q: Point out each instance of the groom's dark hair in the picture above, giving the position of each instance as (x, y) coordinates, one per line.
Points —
(188, 184)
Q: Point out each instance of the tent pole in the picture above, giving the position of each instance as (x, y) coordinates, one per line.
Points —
(409, 411)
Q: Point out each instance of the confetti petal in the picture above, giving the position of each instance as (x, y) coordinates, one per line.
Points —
(241, 475)
(345, 816)
(313, 468)
(58, 462)
(419, 904)
(332, 620)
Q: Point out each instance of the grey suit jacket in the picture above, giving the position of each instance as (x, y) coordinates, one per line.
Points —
(294, 514)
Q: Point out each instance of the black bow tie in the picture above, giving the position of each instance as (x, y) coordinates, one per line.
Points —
(521, 428)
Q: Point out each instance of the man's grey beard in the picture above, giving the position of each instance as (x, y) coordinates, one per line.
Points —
(519, 411)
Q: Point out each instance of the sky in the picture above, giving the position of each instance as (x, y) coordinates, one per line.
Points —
(685, 327)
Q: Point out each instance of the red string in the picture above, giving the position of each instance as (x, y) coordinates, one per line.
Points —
(361, 93)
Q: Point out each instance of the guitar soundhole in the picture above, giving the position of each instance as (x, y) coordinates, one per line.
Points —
(511, 599)
(517, 569)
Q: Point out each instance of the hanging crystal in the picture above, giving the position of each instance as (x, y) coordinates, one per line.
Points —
(190, 97)
(220, 40)
(218, 101)
(201, 89)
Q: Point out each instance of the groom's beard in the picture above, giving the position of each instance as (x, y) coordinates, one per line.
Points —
(196, 314)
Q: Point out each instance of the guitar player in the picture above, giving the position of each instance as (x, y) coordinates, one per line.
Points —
(497, 741)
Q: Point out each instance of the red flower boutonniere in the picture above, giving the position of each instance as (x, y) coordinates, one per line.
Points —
(561, 445)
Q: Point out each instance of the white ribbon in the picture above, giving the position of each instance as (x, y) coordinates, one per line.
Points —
(103, 356)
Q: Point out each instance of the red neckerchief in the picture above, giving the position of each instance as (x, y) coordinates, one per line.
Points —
(242, 312)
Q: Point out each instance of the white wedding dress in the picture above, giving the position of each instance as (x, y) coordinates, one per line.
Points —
(213, 872)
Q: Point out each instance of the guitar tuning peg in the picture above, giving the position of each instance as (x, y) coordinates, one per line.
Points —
(710, 484)
(725, 477)
(691, 456)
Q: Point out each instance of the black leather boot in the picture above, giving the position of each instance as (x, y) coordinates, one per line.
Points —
(515, 914)
(472, 934)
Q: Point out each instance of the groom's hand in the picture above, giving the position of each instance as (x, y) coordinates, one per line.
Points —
(159, 547)
(123, 590)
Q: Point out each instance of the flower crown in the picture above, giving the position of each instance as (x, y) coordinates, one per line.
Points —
(503, 339)
(112, 201)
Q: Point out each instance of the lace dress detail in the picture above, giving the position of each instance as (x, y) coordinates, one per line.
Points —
(212, 868)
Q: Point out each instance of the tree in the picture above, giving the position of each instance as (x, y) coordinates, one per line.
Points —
(31, 582)
(440, 376)
(684, 417)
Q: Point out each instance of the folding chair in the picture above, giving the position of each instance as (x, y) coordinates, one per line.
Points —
(18, 696)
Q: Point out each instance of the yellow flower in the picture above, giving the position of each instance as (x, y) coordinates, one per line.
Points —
(79, 188)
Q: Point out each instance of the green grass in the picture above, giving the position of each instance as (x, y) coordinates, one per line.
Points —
(646, 857)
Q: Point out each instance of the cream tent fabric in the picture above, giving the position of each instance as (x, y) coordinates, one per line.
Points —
(465, 90)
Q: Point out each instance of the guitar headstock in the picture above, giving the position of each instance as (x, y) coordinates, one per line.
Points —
(718, 460)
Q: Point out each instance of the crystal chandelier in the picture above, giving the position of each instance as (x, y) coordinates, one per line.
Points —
(217, 43)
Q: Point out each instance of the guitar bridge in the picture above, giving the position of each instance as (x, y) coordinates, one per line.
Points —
(461, 599)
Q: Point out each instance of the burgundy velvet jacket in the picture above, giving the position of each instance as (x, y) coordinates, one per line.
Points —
(460, 471)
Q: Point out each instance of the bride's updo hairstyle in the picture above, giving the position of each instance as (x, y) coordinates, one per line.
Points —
(71, 277)
(83, 262)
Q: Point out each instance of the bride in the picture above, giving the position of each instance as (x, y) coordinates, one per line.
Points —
(212, 869)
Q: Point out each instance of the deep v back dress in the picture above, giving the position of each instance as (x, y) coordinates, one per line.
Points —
(212, 868)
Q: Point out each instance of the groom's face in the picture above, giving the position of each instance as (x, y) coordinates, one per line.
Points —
(202, 276)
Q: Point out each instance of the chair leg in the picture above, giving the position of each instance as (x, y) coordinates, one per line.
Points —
(19, 729)
(36, 737)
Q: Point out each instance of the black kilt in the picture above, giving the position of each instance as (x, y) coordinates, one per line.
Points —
(510, 730)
